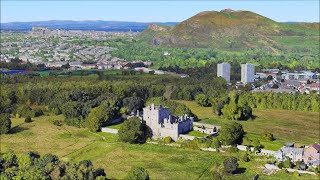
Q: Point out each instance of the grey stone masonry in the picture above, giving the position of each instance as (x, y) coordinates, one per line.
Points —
(163, 124)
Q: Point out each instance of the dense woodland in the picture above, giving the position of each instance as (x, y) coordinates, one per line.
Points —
(92, 101)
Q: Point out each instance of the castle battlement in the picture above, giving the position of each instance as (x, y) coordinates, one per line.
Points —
(163, 124)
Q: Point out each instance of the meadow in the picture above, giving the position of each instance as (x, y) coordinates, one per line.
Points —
(104, 150)
(287, 126)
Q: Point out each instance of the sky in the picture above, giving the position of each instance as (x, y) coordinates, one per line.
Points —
(153, 11)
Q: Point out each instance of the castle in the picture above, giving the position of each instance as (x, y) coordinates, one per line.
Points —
(163, 124)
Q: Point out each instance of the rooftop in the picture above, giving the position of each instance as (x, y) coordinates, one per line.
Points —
(292, 150)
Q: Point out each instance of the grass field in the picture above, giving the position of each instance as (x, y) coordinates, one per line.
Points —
(104, 150)
(197, 134)
(294, 126)
(115, 126)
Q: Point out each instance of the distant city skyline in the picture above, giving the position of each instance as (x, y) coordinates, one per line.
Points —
(151, 11)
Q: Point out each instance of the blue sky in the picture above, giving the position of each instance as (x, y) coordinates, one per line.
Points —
(152, 11)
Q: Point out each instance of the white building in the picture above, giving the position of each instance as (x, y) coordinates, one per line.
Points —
(162, 124)
(304, 75)
(223, 70)
(247, 73)
(295, 154)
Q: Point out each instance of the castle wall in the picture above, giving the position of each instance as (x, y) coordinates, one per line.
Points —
(163, 125)
(185, 126)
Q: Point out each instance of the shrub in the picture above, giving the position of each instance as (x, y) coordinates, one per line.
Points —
(216, 144)
(190, 144)
(37, 112)
(287, 163)
(271, 160)
(218, 173)
(296, 174)
(202, 142)
(280, 165)
(245, 158)
(267, 136)
(167, 140)
(230, 164)
(28, 119)
(202, 100)
(24, 111)
(57, 123)
(138, 173)
(232, 149)
(5, 123)
(246, 141)
(256, 144)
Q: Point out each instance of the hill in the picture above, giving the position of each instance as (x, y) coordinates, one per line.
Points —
(81, 25)
(230, 30)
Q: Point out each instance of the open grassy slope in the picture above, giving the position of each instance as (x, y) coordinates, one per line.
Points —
(103, 149)
(294, 126)
(233, 30)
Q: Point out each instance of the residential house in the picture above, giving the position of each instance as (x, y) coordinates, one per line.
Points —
(311, 155)
(315, 87)
(295, 154)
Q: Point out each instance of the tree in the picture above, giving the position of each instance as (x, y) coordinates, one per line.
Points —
(102, 115)
(132, 131)
(246, 112)
(230, 164)
(202, 100)
(32, 166)
(256, 144)
(287, 163)
(235, 112)
(133, 103)
(231, 111)
(7, 160)
(218, 108)
(231, 134)
(27, 119)
(99, 172)
(269, 78)
(138, 173)
(5, 123)
(95, 118)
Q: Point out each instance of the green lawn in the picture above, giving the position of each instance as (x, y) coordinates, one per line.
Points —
(104, 150)
(197, 134)
(115, 126)
(294, 126)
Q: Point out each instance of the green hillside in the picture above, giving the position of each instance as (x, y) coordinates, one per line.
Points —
(234, 30)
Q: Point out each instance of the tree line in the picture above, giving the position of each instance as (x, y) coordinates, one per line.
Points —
(32, 165)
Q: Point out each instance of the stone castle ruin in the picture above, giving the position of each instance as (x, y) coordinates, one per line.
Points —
(163, 124)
